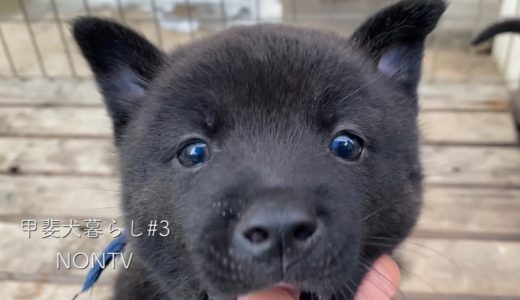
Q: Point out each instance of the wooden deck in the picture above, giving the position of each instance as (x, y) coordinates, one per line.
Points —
(57, 161)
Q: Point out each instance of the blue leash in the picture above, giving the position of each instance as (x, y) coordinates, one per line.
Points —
(114, 249)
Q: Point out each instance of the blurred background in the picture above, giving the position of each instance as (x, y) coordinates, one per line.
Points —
(57, 163)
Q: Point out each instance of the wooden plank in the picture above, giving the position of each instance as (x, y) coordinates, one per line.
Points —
(443, 164)
(463, 212)
(438, 127)
(515, 107)
(466, 165)
(447, 266)
(15, 290)
(468, 127)
(464, 96)
(40, 155)
(456, 234)
(58, 196)
(443, 96)
(470, 210)
(460, 267)
(62, 121)
(449, 64)
(40, 255)
(45, 92)
(444, 296)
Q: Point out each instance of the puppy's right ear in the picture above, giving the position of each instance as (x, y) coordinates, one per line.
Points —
(394, 38)
(123, 62)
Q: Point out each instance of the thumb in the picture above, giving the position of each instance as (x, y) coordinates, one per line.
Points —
(381, 282)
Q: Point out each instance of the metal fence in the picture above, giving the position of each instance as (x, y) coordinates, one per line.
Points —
(35, 41)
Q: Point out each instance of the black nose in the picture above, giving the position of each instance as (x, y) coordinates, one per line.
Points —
(267, 229)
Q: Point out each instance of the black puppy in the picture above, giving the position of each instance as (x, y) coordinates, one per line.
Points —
(504, 26)
(277, 154)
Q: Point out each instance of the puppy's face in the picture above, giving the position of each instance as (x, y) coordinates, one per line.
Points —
(276, 154)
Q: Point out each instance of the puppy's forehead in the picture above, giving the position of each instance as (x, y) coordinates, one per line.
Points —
(261, 70)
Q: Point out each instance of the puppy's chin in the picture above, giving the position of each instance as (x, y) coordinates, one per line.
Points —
(338, 281)
(341, 293)
(293, 291)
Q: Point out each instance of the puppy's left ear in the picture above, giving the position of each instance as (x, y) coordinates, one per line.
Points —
(394, 38)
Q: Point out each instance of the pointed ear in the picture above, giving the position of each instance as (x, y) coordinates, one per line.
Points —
(123, 63)
(394, 38)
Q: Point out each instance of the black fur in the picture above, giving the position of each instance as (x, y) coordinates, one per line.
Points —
(123, 61)
(511, 26)
(268, 99)
(397, 34)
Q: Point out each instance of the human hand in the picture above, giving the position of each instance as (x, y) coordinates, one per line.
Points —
(381, 283)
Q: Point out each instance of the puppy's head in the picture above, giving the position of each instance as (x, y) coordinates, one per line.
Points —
(276, 154)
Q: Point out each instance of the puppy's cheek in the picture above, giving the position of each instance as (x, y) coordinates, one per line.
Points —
(338, 257)
(209, 243)
(343, 263)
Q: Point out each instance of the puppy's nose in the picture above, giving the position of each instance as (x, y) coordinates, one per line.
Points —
(268, 231)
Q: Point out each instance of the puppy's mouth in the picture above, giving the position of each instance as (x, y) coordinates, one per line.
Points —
(299, 296)
(291, 290)
(305, 296)
(309, 296)
(296, 293)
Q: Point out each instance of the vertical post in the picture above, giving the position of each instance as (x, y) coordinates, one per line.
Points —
(258, 9)
(223, 14)
(120, 11)
(57, 19)
(158, 29)
(474, 31)
(86, 6)
(294, 12)
(435, 58)
(510, 47)
(7, 53)
(190, 19)
(34, 42)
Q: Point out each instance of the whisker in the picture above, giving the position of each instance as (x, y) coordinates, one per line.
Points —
(386, 279)
(154, 294)
(407, 271)
(361, 87)
(375, 212)
(350, 290)
(431, 250)
(380, 244)
(410, 273)
(342, 292)
(419, 278)
(334, 290)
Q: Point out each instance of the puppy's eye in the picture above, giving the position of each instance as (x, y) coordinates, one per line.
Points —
(346, 146)
(194, 154)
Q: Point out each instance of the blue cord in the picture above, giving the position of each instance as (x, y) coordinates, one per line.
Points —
(113, 250)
